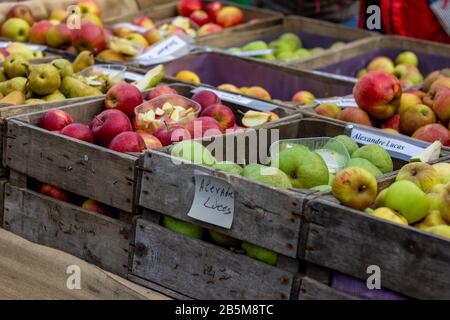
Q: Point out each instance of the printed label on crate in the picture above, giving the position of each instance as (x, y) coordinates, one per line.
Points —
(213, 201)
(253, 53)
(32, 47)
(130, 26)
(240, 100)
(132, 76)
(165, 50)
(341, 102)
(398, 147)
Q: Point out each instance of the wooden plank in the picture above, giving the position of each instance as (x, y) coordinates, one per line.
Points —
(153, 286)
(3, 182)
(100, 240)
(31, 271)
(412, 262)
(202, 270)
(315, 290)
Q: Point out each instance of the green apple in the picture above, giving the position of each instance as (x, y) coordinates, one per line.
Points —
(280, 47)
(44, 79)
(302, 53)
(255, 45)
(229, 167)
(16, 65)
(292, 39)
(267, 175)
(15, 29)
(259, 253)
(183, 227)
(407, 198)
(365, 164)
(286, 56)
(193, 151)
(407, 57)
(355, 188)
(224, 240)
(441, 230)
(377, 155)
(380, 200)
(305, 169)
(422, 174)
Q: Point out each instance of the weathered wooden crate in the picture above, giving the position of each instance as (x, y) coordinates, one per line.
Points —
(354, 57)
(254, 17)
(412, 262)
(314, 33)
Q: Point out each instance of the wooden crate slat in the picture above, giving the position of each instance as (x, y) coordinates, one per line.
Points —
(314, 290)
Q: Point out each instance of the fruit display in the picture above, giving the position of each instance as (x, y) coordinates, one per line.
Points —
(286, 47)
(417, 196)
(382, 103)
(18, 47)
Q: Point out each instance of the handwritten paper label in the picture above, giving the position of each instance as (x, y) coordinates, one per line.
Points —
(169, 47)
(252, 53)
(213, 201)
(132, 76)
(341, 102)
(240, 100)
(403, 148)
(130, 26)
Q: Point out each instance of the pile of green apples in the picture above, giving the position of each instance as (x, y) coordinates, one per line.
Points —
(286, 48)
(22, 82)
(418, 197)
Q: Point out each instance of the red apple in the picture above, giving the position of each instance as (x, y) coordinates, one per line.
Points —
(159, 91)
(21, 11)
(59, 36)
(56, 193)
(150, 140)
(55, 120)
(379, 94)
(144, 22)
(186, 7)
(355, 115)
(89, 37)
(78, 131)
(206, 98)
(38, 32)
(213, 9)
(200, 17)
(416, 117)
(109, 124)
(222, 114)
(208, 29)
(433, 132)
(441, 105)
(203, 127)
(124, 97)
(127, 142)
(97, 207)
(230, 16)
(171, 133)
(392, 123)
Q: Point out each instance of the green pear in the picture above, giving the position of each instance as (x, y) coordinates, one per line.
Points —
(302, 53)
(223, 240)
(365, 164)
(441, 230)
(267, 57)
(16, 65)
(255, 45)
(15, 84)
(229, 167)
(380, 201)
(34, 101)
(183, 227)
(44, 79)
(377, 155)
(407, 198)
(55, 96)
(348, 143)
(280, 46)
(2, 75)
(286, 56)
(74, 88)
(193, 151)
(407, 57)
(267, 175)
(84, 60)
(305, 169)
(259, 253)
(64, 67)
(292, 39)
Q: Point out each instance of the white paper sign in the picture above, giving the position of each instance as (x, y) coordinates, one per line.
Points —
(164, 48)
(399, 148)
(252, 53)
(132, 76)
(340, 102)
(32, 47)
(213, 201)
(130, 26)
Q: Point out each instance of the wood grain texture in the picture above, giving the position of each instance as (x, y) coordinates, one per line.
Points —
(201, 270)
(100, 240)
(31, 271)
(315, 290)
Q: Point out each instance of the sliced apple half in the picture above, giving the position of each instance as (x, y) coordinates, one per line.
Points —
(255, 118)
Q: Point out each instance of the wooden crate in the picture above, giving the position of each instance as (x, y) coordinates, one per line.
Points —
(356, 56)
(254, 17)
(314, 33)
(412, 262)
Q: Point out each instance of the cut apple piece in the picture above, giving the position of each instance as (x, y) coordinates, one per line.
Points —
(255, 118)
(176, 115)
(432, 152)
(159, 112)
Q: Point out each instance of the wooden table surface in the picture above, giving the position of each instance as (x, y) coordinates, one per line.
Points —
(32, 271)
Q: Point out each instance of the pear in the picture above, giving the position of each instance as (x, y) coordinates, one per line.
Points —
(348, 143)
(64, 66)
(377, 156)
(38, 54)
(55, 96)
(223, 240)
(365, 164)
(15, 97)
(380, 201)
(34, 101)
(16, 66)
(259, 253)
(228, 166)
(15, 84)
(21, 49)
(151, 78)
(292, 39)
(74, 88)
(441, 230)
(255, 46)
(183, 227)
(44, 79)
(389, 214)
(84, 60)
(433, 219)
(267, 175)
(2, 75)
